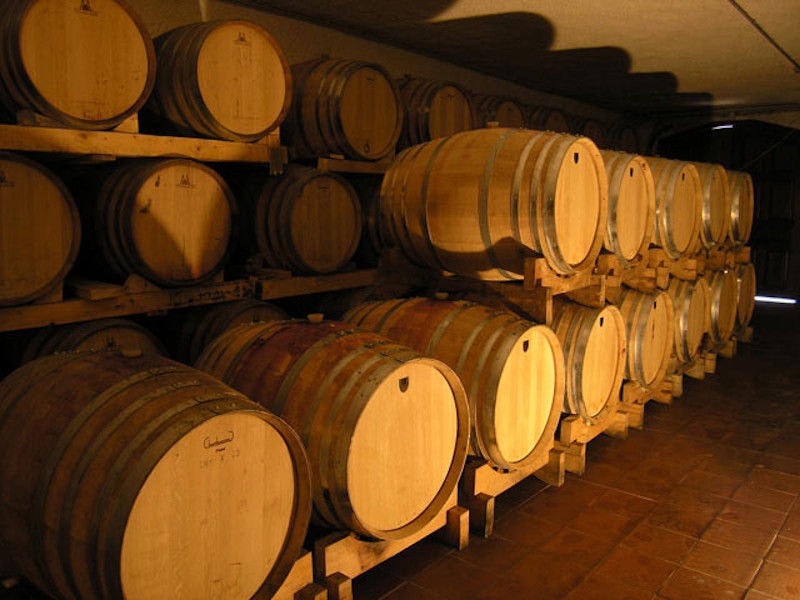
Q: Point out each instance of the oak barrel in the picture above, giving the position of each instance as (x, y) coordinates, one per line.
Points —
(623, 137)
(343, 107)
(84, 64)
(433, 109)
(141, 478)
(745, 293)
(513, 370)
(631, 205)
(649, 323)
(593, 129)
(594, 346)
(691, 301)
(40, 230)
(679, 200)
(198, 326)
(723, 288)
(742, 206)
(478, 203)
(386, 429)
(93, 336)
(547, 119)
(167, 220)
(716, 207)
(304, 220)
(222, 79)
(504, 111)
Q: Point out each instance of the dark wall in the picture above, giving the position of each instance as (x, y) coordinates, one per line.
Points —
(771, 154)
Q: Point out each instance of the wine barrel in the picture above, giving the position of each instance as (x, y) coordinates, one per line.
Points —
(631, 205)
(594, 130)
(513, 370)
(504, 111)
(594, 346)
(168, 220)
(40, 230)
(742, 199)
(200, 325)
(745, 294)
(371, 245)
(724, 302)
(679, 200)
(691, 301)
(343, 107)
(140, 478)
(479, 202)
(433, 109)
(548, 119)
(716, 208)
(88, 65)
(93, 336)
(649, 323)
(304, 220)
(222, 79)
(623, 137)
(386, 429)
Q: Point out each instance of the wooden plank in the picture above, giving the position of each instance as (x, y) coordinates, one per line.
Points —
(343, 165)
(123, 144)
(267, 289)
(299, 583)
(71, 311)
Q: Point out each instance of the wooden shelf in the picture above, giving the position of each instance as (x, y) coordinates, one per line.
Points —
(124, 144)
(98, 300)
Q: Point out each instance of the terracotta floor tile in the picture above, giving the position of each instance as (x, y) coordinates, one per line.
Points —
(791, 527)
(754, 516)
(528, 528)
(784, 464)
(685, 584)
(776, 480)
(785, 551)
(756, 595)
(376, 583)
(573, 545)
(687, 511)
(563, 503)
(597, 587)
(625, 503)
(605, 523)
(635, 569)
(658, 542)
(785, 445)
(727, 564)
(495, 553)
(721, 485)
(604, 474)
(418, 558)
(755, 540)
(725, 465)
(778, 580)
(752, 492)
(408, 591)
(454, 578)
(544, 576)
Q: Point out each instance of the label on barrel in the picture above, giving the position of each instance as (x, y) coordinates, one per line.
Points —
(185, 182)
(241, 39)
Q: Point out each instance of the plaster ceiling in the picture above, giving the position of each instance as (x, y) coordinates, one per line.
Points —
(735, 57)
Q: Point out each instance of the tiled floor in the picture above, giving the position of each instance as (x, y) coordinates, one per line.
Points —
(701, 503)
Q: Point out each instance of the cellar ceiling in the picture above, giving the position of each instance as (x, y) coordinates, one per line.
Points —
(720, 57)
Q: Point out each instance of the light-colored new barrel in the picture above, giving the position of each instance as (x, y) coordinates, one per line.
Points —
(343, 107)
(745, 293)
(141, 478)
(479, 202)
(512, 369)
(594, 346)
(93, 336)
(679, 200)
(305, 220)
(40, 230)
(742, 206)
(649, 323)
(716, 209)
(433, 109)
(88, 64)
(723, 288)
(631, 205)
(691, 301)
(386, 429)
(222, 79)
(168, 220)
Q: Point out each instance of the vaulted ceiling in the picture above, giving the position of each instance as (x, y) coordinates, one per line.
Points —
(671, 57)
